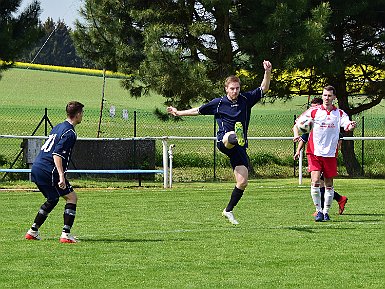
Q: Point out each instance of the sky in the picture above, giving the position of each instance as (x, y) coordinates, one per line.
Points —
(66, 10)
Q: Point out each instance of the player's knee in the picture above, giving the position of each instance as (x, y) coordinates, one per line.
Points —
(232, 139)
(74, 198)
(71, 198)
(315, 184)
(242, 184)
(227, 140)
(48, 206)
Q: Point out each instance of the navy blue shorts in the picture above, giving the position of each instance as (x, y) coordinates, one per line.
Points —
(48, 184)
(54, 192)
(237, 155)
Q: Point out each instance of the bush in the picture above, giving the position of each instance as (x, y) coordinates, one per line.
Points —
(3, 160)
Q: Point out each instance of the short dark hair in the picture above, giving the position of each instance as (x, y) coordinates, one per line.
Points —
(316, 100)
(330, 88)
(232, 78)
(73, 108)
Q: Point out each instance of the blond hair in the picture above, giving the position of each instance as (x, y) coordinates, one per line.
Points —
(232, 78)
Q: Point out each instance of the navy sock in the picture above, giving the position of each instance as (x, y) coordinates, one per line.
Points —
(236, 195)
(43, 213)
(69, 217)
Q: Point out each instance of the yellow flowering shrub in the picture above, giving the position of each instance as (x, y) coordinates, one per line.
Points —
(66, 69)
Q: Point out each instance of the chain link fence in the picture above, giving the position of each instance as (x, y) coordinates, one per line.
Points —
(194, 160)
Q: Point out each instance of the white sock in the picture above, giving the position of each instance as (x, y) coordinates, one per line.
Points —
(316, 196)
(329, 194)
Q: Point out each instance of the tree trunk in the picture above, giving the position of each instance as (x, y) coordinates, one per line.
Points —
(221, 33)
(350, 160)
(352, 165)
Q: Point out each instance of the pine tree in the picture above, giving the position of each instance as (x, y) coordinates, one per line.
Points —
(184, 49)
(55, 47)
(17, 31)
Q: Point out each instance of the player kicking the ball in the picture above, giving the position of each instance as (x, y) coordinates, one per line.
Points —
(232, 113)
(48, 173)
(322, 148)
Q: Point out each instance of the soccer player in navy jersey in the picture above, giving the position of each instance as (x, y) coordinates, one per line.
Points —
(322, 148)
(48, 173)
(302, 140)
(232, 114)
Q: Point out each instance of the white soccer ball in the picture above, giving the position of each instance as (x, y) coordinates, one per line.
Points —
(305, 124)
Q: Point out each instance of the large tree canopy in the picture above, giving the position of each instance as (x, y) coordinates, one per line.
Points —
(171, 43)
(336, 42)
(314, 43)
(184, 49)
(17, 30)
(181, 49)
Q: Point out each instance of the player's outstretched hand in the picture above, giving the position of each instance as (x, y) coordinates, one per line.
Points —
(172, 110)
(296, 138)
(353, 125)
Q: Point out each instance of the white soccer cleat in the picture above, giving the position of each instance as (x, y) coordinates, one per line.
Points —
(32, 235)
(230, 217)
(67, 238)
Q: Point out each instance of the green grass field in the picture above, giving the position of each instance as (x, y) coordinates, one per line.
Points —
(149, 237)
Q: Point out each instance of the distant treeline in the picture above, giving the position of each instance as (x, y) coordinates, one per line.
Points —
(55, 47)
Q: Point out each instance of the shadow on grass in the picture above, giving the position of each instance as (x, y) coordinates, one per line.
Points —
(317, 228)
(128, 240)
(306, 230)
(372, 215)
(359, 221)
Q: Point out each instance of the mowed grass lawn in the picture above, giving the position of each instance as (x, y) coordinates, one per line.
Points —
(149, 237)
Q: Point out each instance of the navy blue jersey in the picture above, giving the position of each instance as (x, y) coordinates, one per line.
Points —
(227, 112)
(60, 142)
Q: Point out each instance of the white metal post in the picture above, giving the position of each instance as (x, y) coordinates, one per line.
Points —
(170, 156)
(300, 167)
(165, 163)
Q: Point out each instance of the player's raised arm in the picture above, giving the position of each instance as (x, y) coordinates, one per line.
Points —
(188, 112)
(267, 76)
